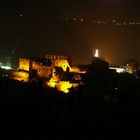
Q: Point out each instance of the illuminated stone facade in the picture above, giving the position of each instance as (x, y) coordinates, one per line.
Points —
(20, 76)
(24, 64)
(42, 70)
(44, 66)
(32, 64)
(48, 67)
(59, 61)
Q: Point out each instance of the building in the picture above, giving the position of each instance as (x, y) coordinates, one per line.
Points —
(43, 67)
(59, 61)
(57, 71)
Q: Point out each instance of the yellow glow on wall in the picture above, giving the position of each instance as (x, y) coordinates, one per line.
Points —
(20, 76)
(64, 86)
(52, 83)
(24, 64)
(76, 70)
(62, 63)
(42, 71)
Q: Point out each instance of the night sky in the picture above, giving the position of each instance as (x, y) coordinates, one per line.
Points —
(33, 28)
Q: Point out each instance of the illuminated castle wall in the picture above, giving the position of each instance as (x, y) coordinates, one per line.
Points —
(47, 67)
(44, 70)
(31, 64)
(24, 64)
(59, 61)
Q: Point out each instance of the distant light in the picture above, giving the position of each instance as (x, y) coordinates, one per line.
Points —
(96, 53)
(114, 21)
(66, 18)
(124, 23)
(93, 21)
(21, 15)
(6, 67)
(118, 70)
(99, 21)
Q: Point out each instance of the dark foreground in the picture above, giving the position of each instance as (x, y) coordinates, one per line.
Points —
(36, 112)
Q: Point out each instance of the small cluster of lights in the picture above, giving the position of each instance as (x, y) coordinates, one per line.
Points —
(103, 22)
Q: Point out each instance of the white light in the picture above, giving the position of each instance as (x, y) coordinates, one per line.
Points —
(96, 53)
(118, 70)
(6, 67)
(21, 15)
(114, 21)
(117, 24)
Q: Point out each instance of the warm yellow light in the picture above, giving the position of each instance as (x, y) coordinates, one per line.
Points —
(62, 63)
(52, 83)
(61, 86)
(64, 86)
(77, 70)
(24, 64)
(20, 76)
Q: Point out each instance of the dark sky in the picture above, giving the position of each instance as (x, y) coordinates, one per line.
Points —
(38, 28)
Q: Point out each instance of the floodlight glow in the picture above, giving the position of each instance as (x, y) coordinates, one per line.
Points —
(6, 67)
(118, 70)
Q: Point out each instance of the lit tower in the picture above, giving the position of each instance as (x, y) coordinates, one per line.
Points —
(96, 53)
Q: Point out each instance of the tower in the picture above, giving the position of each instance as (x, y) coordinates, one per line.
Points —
(96, 53)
